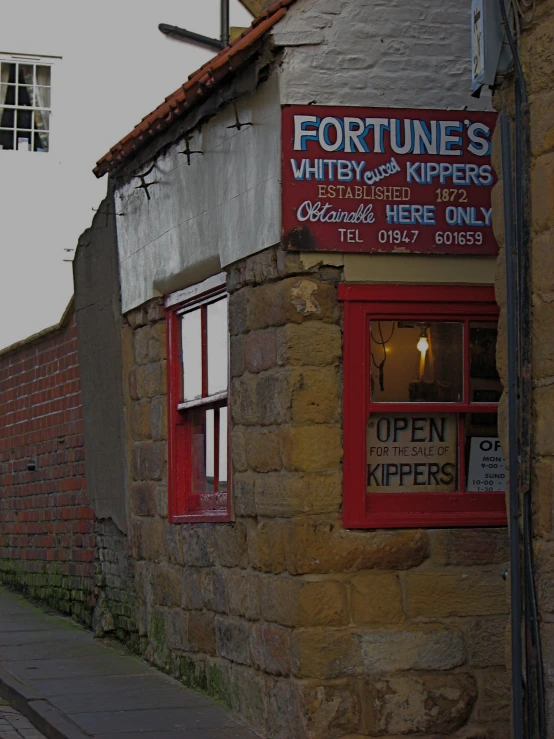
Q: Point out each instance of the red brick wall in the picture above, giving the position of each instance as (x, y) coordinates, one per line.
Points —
(47, 542)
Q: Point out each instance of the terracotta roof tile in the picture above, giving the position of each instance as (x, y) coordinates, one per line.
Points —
(197, 86)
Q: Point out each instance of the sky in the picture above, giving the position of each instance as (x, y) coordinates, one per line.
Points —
(111, 66)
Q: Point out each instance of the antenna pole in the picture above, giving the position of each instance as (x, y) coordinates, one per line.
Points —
(224, 23)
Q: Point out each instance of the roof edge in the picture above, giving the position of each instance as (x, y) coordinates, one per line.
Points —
(33, 338)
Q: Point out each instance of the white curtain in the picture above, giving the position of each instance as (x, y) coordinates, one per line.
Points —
(42, 100)
(4, 77)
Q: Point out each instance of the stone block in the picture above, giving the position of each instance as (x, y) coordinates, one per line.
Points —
(155, 310)
(201, 632)
(141, 338)
(314, 546)
(136, 317)
(273, 398)
(325, 654)
(236, 356)
(542, 123)
(191, 589)
(494, 701)
(316, 396)
(313, 343)
(263, 449)
(166, 585)
(456, 593)
(143, 498)
(173, 543)
(158, 418)
(230, 545)
(157, 343)
(147, 539)
(176, 629)
(542, 326)
(542, 193)
(542, 264)
(238, 315)
(244, 598)
(286, 494)
(292, 300)
(147, 461)
(161, 500)
(232, 639)
(544, 575)
(311, 448)
(244, 501)
(327, 710)
(543, 487)
(422, 647)
(270, 648)
(461, 547)
(300, 603)
(198, 545)
(536, 52)
(266, 547)
(140, 421)
(260, 351)
(543, 428)
(149, 380)
(419, 704)
(214, 591)
(486, 641)
(238, 449)
(376, 598)
(249, 696)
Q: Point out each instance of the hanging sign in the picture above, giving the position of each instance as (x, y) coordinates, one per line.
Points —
(411, 453)
(487, 467)
(387, 180)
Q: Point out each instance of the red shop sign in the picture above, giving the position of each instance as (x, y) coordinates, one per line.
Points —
(387, 180)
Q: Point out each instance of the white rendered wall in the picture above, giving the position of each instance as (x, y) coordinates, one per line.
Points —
(116, 67)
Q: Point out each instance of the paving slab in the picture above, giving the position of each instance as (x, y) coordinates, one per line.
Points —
(72, 686)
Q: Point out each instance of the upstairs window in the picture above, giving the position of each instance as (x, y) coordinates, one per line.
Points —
(197, 396)
(25, 105)
(421, 394)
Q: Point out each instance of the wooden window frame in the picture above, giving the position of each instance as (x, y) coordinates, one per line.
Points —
(184, 505)
(407, 510)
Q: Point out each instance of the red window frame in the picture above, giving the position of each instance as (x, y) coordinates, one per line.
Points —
(407, 510)
(184, 504)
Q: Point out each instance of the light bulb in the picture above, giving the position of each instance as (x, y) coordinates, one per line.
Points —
(422, 344)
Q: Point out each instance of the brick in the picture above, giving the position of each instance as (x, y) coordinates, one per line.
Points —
(376, 598)
(232, 639)
(312, 343)
(311, 448)
(301, 603)
(470, 546)
(243, 595)
(140, 421)
(419, 704)
(318, 653)
(143, 499)
(316, 395)
(201, 632)
(542, 193)
(314, 546)
(263, 450)
(260, 351)
(266, 547)
(486, 641)
(270, 648)
(286, 494)
(456, 593)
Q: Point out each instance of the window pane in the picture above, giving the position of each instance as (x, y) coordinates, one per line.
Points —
(485, 464)
(7, 72)
(485, 383)
(41, 142)
(202, 452)
(24, 140)
(416, 361)
(7, 139)
(25, 76)
(222, 448)
(409, 453)
(43, 75)
(42, 120)
(24, 119)
(10, 95)
(191, 348)
(7, 118)
(25, 96)
(217, 347)
(42, 97)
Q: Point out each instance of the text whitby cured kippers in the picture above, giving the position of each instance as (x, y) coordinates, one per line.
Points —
(426, 169)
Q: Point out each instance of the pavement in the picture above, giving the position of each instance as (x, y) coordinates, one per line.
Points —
(69, 685)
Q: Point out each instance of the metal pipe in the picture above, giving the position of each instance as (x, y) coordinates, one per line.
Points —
(511, 326)
(196, 38)
(225, 23)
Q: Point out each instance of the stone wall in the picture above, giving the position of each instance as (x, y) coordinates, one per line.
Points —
(47, 542)
(303, 628)
(536, 50)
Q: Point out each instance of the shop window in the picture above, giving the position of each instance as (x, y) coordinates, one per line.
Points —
(25, 105)
(198, 371)
(421, 393)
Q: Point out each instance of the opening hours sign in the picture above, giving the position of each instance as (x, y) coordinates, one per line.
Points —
(387, 180)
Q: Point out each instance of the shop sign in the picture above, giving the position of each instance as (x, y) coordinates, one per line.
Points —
(387, 180)
(487, 467)
(411, 453)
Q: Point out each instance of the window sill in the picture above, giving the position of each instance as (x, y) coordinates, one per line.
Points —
(204, 517)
